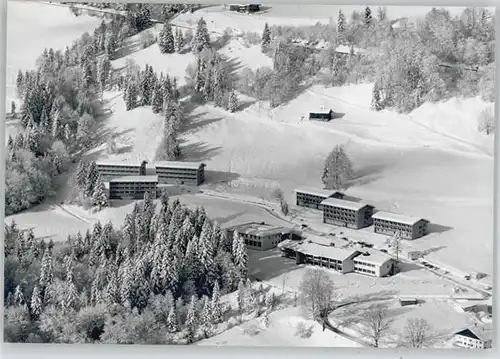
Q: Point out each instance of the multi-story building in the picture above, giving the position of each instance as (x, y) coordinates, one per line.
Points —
(312, 197)
(177, 172)
(114, 169)
(132, 187)
(374, 264)
(259, 236)
(346, 213)
(392, 223)
(474, 337)
(342, 257)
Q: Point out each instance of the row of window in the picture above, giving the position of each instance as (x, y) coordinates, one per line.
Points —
(362, 270)
(328, 208)
(125, 186)
(351, 219)
(364, 264)
(176, 171)
(249, 242)
(389, 224)
(324, 264)
(306, 196)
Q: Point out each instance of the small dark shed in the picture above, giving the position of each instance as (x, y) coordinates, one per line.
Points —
(321, 116)
(408, 301)
(249, 8)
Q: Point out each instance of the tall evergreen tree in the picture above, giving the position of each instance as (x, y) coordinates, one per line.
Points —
(99, 195)
(172, 320)
(201, 39)
(179, 40)
(131, 95)
(36, 303)
(368, 17)
(341, 26)
(266, 38)
(376, 102)
(157, 100)
(191, 320)
(233, 103)
(166, 40)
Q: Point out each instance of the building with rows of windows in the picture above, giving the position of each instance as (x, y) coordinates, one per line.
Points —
(113, 169)
(392, 223)
(312, 197)
(342, 257)
(260, 236)
(132, 187)
(178, 172)
(474, 337)
(347, 213)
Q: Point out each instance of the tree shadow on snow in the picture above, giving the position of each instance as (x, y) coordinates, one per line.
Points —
(408, 267)
(220, 176)
(265, 265)
(367, 174)
(198, 151)
(234, 65)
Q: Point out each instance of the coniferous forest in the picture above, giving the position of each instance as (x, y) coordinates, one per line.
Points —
(157, 279)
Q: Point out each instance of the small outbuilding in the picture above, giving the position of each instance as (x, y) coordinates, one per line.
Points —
(321, 116)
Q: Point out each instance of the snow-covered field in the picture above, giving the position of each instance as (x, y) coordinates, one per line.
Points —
(281, 332)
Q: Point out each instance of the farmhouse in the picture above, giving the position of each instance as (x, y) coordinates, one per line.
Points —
(114, 169)
(178, 172)
(248, 8)
(347, 213)
(260, 236)
(392, 223)
(321, 116)
(325, 252)
(474, 337)
(311, 197)
(132, 187)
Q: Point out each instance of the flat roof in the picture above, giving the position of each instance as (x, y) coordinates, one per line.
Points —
(135, 179)
(118, 163)
(374, 257)
(341, 203)
(317, 249)
(178, 164)
(258, 229)
(317, 191)
(399, 218)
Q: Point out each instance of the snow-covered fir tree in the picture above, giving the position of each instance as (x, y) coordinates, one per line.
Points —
(201, 39)
(192, 320)
(172, 320)
(266, 38)
(131, 94)
(341, 25)
(376, 101)
(179, 40)
(166, 40)
(36, 303)
(99, 195)
(233, 103)
(368, 17)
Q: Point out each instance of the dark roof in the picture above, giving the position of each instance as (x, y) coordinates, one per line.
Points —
(467, 333)
(320, 114)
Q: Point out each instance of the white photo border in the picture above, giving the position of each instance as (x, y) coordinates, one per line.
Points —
(56, 351)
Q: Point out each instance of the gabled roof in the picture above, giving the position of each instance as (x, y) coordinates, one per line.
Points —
(399, 218)
(340, 203)
(482, 332)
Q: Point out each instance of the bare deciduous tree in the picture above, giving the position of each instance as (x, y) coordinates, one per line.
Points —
(486, 121)
(395, 244)
(317, 291)
(378, 322)
(417, 333)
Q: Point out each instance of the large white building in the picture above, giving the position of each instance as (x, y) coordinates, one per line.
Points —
(259, 236)
(114, 169)
(391, 223)
(474, 337)
(179, 172)
(332, 253)
(312, 197)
